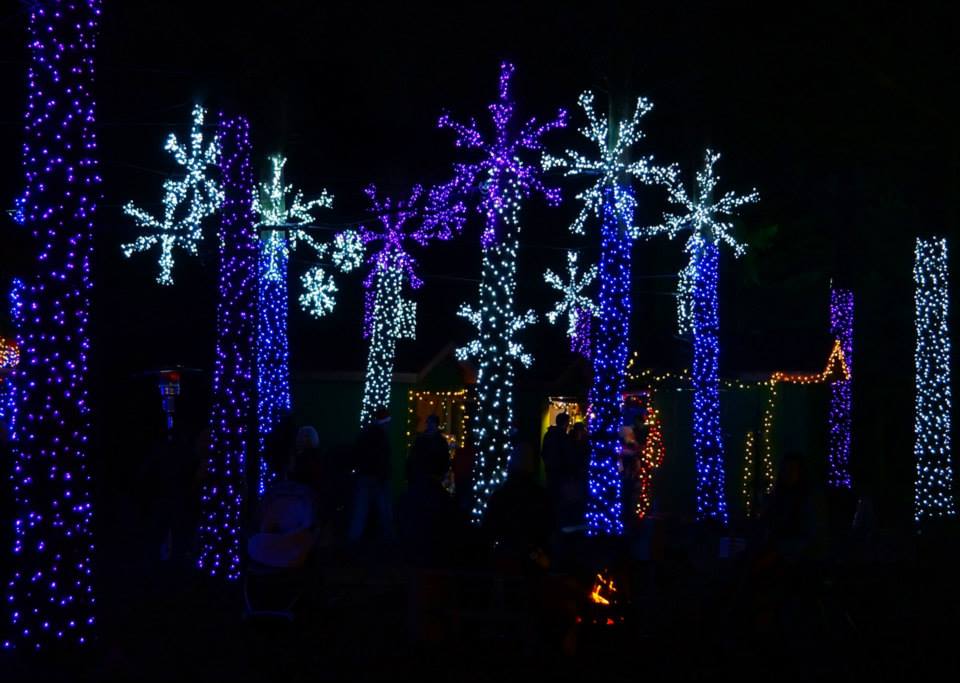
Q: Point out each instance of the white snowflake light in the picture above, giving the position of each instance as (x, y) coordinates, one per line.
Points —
(575, 301)
(186, 202)
(282, 219)
(611, 168)
(319, 289)
(708, 220)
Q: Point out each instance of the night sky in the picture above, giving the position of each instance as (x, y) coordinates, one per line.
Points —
(844, 119)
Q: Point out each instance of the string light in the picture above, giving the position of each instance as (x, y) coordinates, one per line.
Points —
(187, 201)
(504, 180)
(232, 426)
(9, 354)
(841, 391)
(933, 490)
(9, 360)
(707, 220)
(652, 453)
(50, 594)
(835, 370)
(443, 404)
(279, 221)
(388, 316)
(575, 302)
(749, 449)
(611, 200)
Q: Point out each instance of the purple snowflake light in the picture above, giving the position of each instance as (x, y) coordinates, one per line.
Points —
(388, 316)
(502, 178)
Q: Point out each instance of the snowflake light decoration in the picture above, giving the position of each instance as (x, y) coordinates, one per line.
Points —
(708, 220)
(187, 200)
(575, 303)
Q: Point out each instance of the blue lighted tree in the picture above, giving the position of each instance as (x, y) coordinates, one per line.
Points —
(503, 180)
(282, 214)
(706, 217)
(610, 200)
(50, 586)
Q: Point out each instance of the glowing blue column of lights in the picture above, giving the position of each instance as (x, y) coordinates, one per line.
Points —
(707, 437)
(273, 351)
(282, 212)
(841, 392)
(232, 422)
(604, 506)
(933, 491)
(503, 178)
(8, 406)
(50, 593)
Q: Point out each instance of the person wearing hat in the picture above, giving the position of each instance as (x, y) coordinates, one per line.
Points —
(373, 460)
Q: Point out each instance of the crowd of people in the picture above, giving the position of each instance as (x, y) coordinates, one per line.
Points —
(324, 501)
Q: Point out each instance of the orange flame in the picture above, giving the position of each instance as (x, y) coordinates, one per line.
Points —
(601, 584)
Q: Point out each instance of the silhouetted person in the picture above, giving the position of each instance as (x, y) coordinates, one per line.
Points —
(373, 477)
(434, 531)
(557, 456)
(430, 451)
(285, 522)
(574, 501)
(519, 518)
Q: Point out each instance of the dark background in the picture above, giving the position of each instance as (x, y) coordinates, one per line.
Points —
(844, 118)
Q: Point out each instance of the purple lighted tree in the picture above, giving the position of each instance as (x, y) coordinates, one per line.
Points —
(233, 432)
(841, 394)
(503, 180)
(49, 591)
(388, 317)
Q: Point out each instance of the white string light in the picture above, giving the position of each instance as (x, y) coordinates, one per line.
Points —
(187, 201)
(574, 302)
(933, 493)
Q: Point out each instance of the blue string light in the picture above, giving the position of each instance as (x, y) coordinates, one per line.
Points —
(609, 198)
(280, 221)
(604, 505)
(232, 421)
(707, 219)
(50, 594)
(705, 378)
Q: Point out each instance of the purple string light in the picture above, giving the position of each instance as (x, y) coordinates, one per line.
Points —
(504, 181)
(233, 432)
(388, 317)
(841, 391)
(50, 595)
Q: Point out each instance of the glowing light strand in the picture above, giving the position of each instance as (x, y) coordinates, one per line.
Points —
(50, 592)
(651, 455)
(575, 303)
(187, 201)
(933, 488)
(841, 392)
(610, 199)
(388, 316)
(281, 210)
(504, 181)
(707, 219)
(232, 417)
